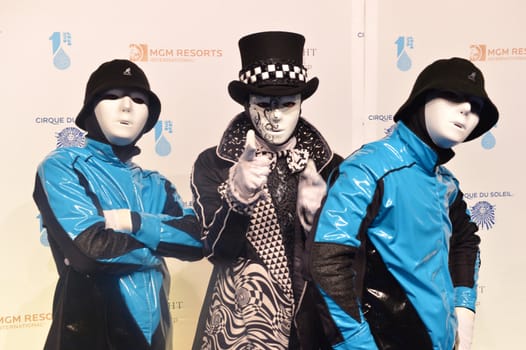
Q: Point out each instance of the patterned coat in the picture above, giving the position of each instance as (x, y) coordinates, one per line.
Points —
(257, 297)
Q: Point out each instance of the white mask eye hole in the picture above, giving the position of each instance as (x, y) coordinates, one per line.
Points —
(264, 105)
(110, 96)
(136, 96)
(139, 100)
(476, 103)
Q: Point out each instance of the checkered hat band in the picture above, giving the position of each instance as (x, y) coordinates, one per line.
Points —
(273, 71)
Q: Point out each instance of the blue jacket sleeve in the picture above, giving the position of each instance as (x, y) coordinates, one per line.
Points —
(334, 259)
(175, 232)
(74, 221)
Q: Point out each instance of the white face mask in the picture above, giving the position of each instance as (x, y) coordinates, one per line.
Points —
(275, 117)
(449, 123)
(122, 115)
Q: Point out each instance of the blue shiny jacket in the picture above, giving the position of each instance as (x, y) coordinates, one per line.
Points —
(72, 188)
(395, 250)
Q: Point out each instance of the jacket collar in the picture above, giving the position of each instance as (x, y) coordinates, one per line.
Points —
(102, 151)
(307, 136)
(425, 155)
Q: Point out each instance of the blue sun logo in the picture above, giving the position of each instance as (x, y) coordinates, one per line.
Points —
(483, 214)
(70, 137)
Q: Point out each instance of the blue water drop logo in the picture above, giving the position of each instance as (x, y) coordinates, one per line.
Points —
(162, 146)
(61, 59)
(404, 62)
(488, 140)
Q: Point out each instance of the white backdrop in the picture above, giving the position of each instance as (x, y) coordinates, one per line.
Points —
(366, 55)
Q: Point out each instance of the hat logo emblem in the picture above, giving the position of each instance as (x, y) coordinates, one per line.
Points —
(472, 76)
(127, 71)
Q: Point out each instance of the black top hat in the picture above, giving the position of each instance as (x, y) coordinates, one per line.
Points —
(118, 74)
(272, 65)
(456, 75)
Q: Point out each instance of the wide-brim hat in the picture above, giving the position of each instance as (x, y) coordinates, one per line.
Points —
(118, 74)
(458, 76)
(272, 65)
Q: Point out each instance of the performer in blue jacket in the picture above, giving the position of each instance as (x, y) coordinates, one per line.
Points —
(395, 253)
(110, 223)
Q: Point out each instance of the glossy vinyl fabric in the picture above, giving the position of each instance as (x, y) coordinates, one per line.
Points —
(387, 218)
(74, 186)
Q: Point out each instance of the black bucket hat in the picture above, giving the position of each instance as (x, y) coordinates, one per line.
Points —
(118, 74)
(458, 76)
(272, 65)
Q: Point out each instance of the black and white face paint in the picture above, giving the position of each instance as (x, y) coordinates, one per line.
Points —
(275, 117)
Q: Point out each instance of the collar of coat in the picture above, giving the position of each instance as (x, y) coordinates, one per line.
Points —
(307, 136)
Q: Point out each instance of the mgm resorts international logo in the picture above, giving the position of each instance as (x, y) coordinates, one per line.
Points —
(145, 53)
(27, 320)
(482, 52)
